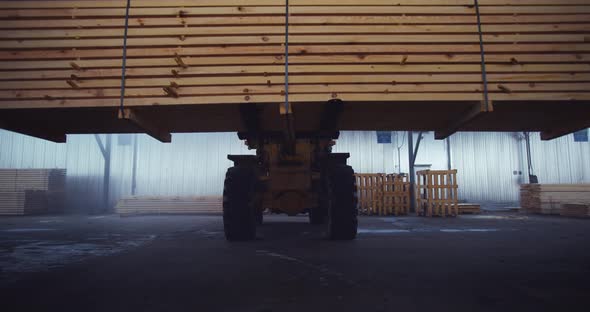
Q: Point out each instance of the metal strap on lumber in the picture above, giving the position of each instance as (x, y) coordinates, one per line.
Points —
(124, 65)
(287, 57)
(484, 75)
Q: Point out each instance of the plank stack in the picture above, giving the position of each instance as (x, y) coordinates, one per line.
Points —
(169, 205)
(550, 198)
(69, 53)
(465, 208)
(575, 210)
(32, 191)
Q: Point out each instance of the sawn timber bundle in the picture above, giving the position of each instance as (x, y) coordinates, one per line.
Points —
(551, 198)
(169, 205)
(65, 54)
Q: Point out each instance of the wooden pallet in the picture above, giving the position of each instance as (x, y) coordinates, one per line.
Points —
(190, 53)
(549, 198)
(436, 193)
(383, 194)
(169, 205)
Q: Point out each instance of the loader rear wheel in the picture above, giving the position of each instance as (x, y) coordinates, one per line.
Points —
(239, 210)
(342, 219)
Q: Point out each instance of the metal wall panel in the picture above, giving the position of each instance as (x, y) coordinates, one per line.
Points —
(368, 156)
(561, 160)
(21, 151)
(85, 168)
(193, 164)
(489, 166)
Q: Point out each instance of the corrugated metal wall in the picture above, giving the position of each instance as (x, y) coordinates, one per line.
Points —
(21, 151)
(561, 160)
(490, 165)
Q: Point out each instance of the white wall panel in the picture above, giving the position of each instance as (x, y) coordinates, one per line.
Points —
(486, 164)
(21, 151)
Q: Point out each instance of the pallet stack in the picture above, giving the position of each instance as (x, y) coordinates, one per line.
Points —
(169, 205)
(32, 191)
(549, 198)
(69, 53)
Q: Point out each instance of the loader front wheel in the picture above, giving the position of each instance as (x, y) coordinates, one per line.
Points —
(239, 209)
(342, 219)
(319, 215)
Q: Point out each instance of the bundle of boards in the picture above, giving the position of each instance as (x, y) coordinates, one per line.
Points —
(31, 191)
(467, 208)
(551, 198)
(168, 205)
(575, 210)
(60, 54)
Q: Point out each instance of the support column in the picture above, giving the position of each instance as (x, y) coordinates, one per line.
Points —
(412, 172)
(107, 173)
(106, 155)
(449, 162)
(134, 168)
(413, 153)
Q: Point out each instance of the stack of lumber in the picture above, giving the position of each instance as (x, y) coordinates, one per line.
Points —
(465, 208)
(169, 205)
(549, 198)
(575, 210)
(69, 53)
(31, 191)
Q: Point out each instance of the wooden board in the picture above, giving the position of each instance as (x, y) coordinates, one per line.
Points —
(68, 55)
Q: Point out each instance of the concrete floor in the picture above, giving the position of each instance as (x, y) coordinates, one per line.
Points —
(493, 262)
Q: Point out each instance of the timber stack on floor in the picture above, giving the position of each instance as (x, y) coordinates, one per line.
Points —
(465, 208)
(550, 198)
(181, 52)
(575, 210)
(169, 205)
(31, 191)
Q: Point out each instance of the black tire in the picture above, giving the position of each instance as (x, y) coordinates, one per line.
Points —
(319, 215)
(343, 211)
(239, 210)
(259, 217)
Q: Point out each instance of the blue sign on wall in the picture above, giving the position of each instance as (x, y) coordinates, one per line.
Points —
(384, 137)
(581, 136)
